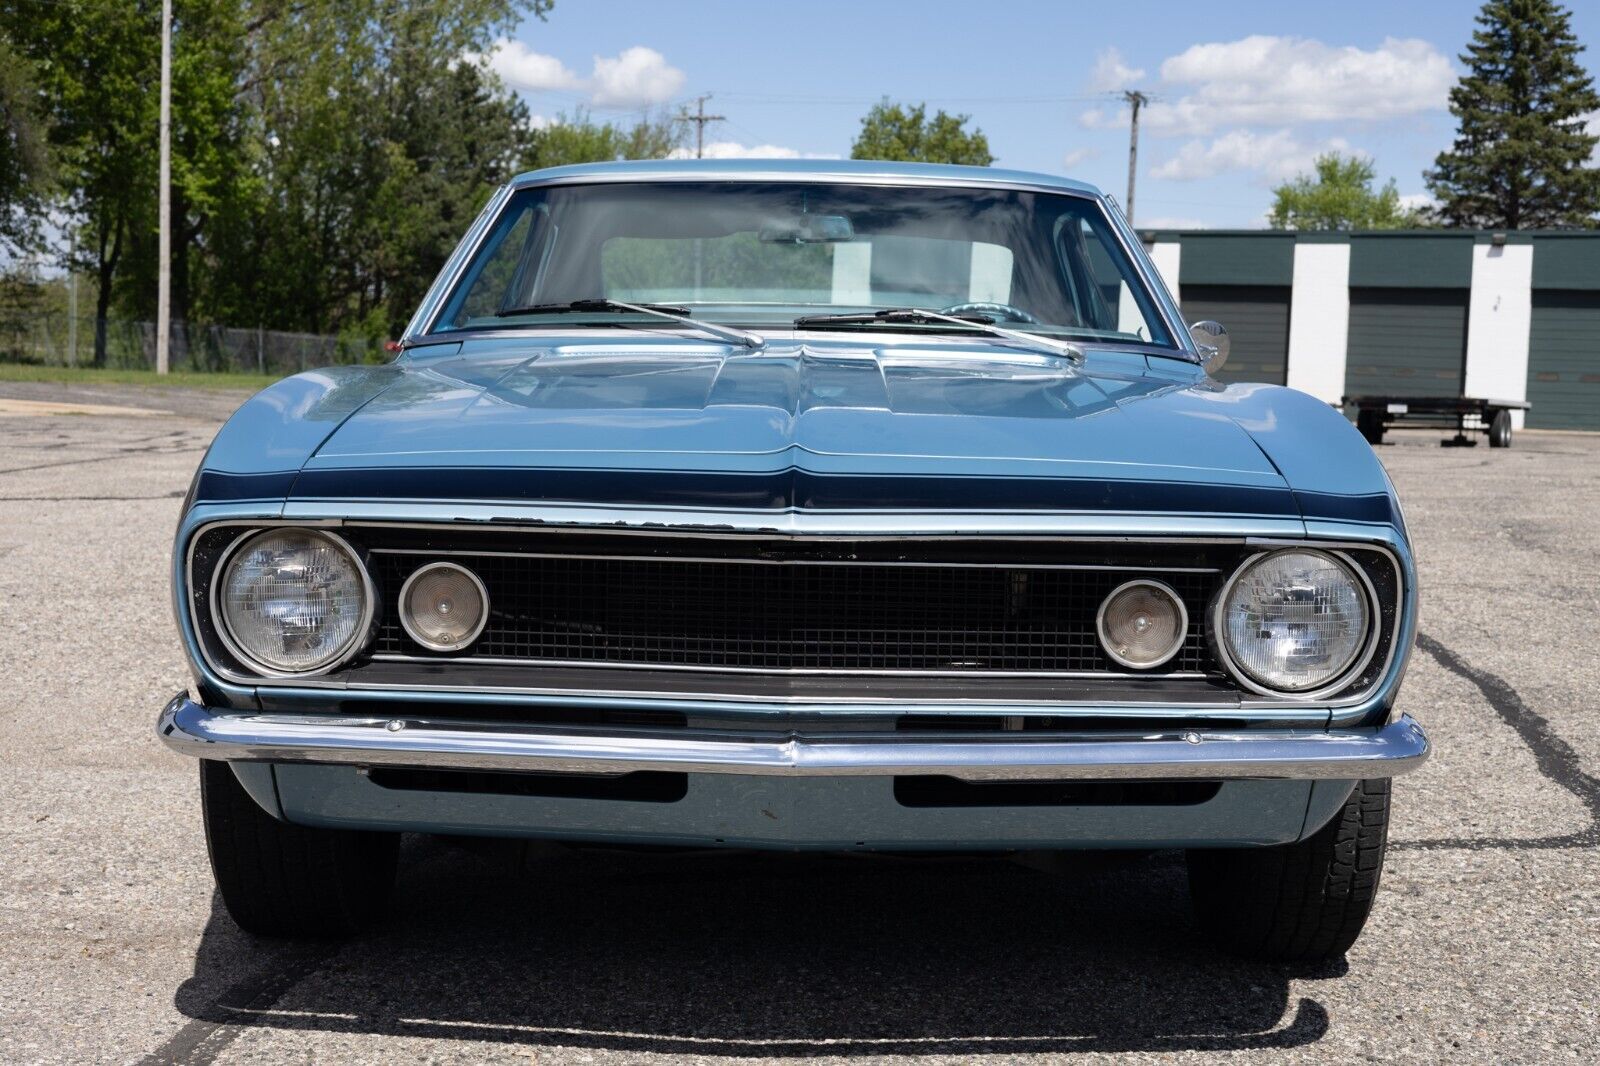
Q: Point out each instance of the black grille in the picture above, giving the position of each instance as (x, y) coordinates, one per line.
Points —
(801, 616)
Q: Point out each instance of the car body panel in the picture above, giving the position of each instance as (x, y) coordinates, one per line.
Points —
(812, 814)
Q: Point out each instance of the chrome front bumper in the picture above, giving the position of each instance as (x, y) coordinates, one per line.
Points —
(1340, 754)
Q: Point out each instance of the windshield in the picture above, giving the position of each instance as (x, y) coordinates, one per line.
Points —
(761, 254)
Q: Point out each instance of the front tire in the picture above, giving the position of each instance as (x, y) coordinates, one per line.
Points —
(285, 880)
(1303, 902)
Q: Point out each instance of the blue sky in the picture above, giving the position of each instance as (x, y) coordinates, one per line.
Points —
(1246, 93)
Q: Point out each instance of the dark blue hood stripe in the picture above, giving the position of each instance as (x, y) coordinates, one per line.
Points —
(797, 489)
(793, 489)
(218, 487)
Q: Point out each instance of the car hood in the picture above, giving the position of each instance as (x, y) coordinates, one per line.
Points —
(940, 423)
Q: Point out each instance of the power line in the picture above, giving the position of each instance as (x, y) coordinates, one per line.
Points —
(760, 99)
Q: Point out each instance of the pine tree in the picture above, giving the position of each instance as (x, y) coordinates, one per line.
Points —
(1521, 158)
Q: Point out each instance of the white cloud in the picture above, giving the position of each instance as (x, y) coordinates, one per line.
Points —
(635, 77)
(1111, 74)
(1414, 201)
(522, 68)
(638, 77)
(736, 150)
(1076, 156)
(1593, 129)
(1273, 156)
(1263, 80)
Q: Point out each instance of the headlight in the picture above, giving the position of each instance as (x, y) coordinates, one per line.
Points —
(294, 601)
(1294, 620)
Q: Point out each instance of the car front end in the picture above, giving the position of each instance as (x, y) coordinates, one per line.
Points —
(860, 583)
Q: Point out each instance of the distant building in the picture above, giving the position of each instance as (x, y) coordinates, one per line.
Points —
(1503, 316)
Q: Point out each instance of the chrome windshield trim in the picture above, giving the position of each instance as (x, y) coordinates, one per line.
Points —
(1387, 751)
(425, 320)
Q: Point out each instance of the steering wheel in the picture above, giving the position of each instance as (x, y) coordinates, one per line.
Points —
(1005, 312)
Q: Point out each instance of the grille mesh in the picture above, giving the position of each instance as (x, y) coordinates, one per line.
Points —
(719, 614)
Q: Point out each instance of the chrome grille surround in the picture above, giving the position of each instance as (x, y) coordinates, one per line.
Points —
(380, 667)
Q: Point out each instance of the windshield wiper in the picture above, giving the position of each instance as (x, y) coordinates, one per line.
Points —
(982, 323)
(668, 311)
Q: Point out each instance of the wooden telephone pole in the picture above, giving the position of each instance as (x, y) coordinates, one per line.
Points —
(700, 118)
(1136, 100)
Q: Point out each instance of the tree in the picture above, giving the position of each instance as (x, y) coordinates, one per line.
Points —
(1338, 196)
(327, 154)
(905, 134)
(95, 62)
(1521, 153)
(25, 166)
(579, 139)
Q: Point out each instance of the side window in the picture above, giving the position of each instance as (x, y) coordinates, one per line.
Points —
(505, 273)
(1104, 299)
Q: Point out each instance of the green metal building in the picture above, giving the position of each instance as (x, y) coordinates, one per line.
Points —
(1502, 316)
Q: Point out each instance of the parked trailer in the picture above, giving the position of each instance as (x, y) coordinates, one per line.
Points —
(1464, 414)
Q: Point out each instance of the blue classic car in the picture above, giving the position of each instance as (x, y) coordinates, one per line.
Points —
(846, 506)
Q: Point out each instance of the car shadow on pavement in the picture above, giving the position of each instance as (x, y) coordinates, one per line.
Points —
(733, 953)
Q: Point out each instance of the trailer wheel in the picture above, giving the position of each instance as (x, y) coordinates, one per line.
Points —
(1500, 430)
(1370, 423)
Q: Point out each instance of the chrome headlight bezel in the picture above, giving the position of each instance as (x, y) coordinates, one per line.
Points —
(360, 637)
(1107, 645)
(408, 620)
(1217, 630)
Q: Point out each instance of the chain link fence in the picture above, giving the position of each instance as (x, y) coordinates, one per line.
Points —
(58, 340)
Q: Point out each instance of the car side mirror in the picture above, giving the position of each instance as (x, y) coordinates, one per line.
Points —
(1213, 343)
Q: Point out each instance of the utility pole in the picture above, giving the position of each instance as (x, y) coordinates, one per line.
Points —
(72, 298)
(1136, 100)
(700, 118)
(164, 260)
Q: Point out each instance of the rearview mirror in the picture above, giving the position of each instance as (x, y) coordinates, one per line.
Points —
(1213, 343)
(809, 229)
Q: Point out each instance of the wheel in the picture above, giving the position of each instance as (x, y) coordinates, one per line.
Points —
(1500, 430)
(1370, 423)
(1302, 902)
(284, 880)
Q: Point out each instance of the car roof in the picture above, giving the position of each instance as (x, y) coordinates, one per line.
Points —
(800, 170)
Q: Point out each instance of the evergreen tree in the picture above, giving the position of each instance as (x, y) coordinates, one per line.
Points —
(1521, 158)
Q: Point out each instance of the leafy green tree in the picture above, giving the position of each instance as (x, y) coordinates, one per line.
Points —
(1522, 150)
(373, 146)
(579, 139)
(95, 61)
(327, 154)
(25, 165)
(906, 134)
(1339, 196)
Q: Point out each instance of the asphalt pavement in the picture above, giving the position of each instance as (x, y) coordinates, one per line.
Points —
(1485, 945)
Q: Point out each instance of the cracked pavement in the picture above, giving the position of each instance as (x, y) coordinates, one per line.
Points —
(1485, 945)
